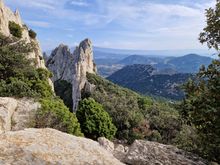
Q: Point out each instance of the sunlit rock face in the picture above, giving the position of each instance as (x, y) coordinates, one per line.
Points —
(83, 63)
(17, 114)
(73, 67)
(49, 146)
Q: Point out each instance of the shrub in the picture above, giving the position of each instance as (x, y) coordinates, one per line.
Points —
(164, 120)
(18, 76)
(15, 29)
(32, 34)
(95, 122)
(54, 114)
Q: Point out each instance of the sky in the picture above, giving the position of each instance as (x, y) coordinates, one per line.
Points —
(120, 24)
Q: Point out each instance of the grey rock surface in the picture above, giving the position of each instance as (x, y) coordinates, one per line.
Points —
(73, 67)
(16, 114)
(153, 153)
(48, 146)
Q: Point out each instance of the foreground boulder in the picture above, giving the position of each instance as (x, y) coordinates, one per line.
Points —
(150, 153)
(48, 146)
(17, 114)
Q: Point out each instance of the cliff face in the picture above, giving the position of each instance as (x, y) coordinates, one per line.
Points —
(7, 15)
(83, 63)
(73, 67)
(60, 63)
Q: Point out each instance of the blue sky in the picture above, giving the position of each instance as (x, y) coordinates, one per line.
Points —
(125, 24)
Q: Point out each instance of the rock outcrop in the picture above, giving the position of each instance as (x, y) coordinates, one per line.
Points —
(48, 146)
(152, 153)
(83, 63)
(60, 63)
(16, 114)
(73, 67)
(7, 15)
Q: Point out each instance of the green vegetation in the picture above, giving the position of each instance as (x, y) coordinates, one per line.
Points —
(54, 114)
(135, 117)
(63, 89)
(19, 78)
(32, 34)
(201, 108)
(15, 29)
(94, 120)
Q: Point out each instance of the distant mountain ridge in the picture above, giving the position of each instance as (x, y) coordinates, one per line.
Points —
(189, 63)
(145, 80)
(177, 52)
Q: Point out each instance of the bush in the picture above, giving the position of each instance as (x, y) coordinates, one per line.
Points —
(135, 117)
(33, 83)
(15, 29)
(54, 114)
(32, 34)
(164, 120)
(18, 75)
(120, 103)
(95, 122)
(188, 139)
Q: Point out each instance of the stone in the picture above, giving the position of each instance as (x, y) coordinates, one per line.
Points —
(73, 68)
(118, 150)
(7, 108)
(60, 63)
(83, 64)
(153, 153)
(17, 114)
(49, 146)
(106, 144)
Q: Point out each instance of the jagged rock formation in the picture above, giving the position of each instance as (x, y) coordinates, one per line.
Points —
(83, 63)
(48, 146)
(152, 153)
(60, 64)
(73, 67)
(16, 114)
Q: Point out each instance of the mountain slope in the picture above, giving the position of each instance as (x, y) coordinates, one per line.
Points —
(141, 78)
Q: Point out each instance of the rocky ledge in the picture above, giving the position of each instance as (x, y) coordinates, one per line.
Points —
(48, 146)
(150, 153)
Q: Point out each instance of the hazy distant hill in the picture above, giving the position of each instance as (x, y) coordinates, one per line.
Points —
(142, 78)
(138, 59)
(185, 64)
(189, 63)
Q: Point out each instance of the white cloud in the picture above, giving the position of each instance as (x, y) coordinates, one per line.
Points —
(79, 3)
(39, 4)
(133, 23)
(41, 24)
